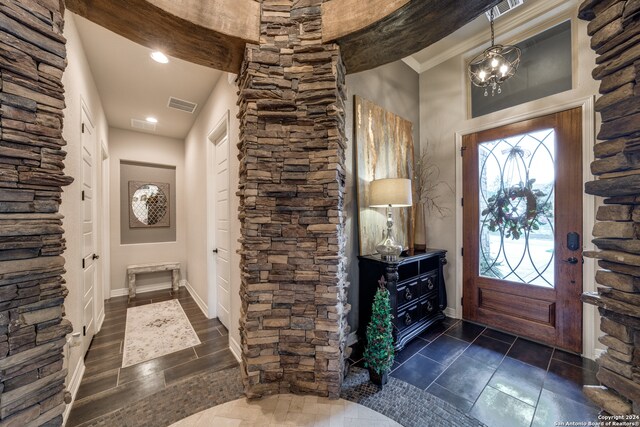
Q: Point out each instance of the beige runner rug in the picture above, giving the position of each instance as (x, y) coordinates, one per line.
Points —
(154, 330)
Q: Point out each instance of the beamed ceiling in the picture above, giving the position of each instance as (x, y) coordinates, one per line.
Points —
(214, 33)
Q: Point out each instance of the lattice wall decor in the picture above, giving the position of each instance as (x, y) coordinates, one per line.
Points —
(149, 204)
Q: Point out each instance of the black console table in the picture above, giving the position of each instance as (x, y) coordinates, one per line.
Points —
(416, 289)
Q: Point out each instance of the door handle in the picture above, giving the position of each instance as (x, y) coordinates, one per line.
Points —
(215, 251)
(571, 260)
(94, 256)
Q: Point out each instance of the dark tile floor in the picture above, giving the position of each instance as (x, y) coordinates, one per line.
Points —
(500, 379)
(107, 387)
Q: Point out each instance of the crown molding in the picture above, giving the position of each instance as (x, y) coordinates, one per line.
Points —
(515, 22)
(413, 63)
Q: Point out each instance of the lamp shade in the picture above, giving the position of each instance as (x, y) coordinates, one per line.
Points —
(391, 191)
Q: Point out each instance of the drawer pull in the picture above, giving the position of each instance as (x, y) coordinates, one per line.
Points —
(430, 284)
(429, 307)
(407, 319)
(408, 295)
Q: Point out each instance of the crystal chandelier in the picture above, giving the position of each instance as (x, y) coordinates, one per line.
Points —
(493, 66)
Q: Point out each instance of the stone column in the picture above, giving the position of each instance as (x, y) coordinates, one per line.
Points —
(614, 28)
(292, 182)
(32, 291)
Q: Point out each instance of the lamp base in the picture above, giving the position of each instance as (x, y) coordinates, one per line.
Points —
(389, 252)
(388, 248)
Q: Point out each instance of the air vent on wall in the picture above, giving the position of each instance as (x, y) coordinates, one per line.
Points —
(182, 105)
(502, 8)
(143, 125)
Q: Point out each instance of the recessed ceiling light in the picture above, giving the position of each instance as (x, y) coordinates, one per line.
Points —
(159, 57)
(152, 119)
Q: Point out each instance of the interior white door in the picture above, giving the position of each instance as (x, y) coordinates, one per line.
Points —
(222, 256)
(88, 231)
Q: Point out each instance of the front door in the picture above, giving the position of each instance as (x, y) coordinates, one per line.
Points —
(522, 244)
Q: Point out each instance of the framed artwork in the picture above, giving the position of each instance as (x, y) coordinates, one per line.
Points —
(149, 204)
(384, 149)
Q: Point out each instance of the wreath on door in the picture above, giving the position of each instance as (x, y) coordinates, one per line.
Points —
(505, 212)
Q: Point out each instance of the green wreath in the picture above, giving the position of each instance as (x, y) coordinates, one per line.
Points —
(505, 217)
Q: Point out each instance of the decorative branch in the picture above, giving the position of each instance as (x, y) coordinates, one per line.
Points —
(428, 183)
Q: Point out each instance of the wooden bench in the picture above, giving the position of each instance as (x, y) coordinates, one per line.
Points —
(132, 270)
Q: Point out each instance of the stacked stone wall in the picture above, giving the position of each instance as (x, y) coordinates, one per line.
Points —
(32, 291)
(292, 182)
(614, 28)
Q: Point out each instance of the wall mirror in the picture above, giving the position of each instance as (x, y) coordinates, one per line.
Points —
(149, 204)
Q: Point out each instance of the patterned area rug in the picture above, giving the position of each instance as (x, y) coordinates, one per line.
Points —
(154, 330)
(403, 402)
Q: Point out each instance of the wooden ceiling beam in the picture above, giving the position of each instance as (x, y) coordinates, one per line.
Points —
(343, 17)
(212, 33)
(377, 36)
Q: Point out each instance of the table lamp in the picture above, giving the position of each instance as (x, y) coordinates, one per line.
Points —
(390, 193)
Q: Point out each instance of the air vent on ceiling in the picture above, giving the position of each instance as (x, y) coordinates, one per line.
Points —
(182, 105)
(502, 8)
(143, 125)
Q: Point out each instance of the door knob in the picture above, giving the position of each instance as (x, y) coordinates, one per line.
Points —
(572, 260)
(215, 251)
(95, 256)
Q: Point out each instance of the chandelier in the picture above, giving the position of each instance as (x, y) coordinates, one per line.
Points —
(494, 66)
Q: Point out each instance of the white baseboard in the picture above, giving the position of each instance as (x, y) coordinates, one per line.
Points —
(73, 386)
(450, 312)
(140, 290)
(235, 349)
(203, 306)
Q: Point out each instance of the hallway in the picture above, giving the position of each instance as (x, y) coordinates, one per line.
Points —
(107, 387)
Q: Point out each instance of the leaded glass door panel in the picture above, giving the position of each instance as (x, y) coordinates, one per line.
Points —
(516, 184)
(522, 197)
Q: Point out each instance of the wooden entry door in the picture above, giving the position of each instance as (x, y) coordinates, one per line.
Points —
(522, 253)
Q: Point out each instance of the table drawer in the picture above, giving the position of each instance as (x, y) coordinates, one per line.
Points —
(408, 292)
(429, 283)
(407, 316)
(429, 306)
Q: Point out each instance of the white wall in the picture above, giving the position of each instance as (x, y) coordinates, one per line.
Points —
(223, 99)
(443, 112)
(126, 145)
(79, 87)
(395, 87)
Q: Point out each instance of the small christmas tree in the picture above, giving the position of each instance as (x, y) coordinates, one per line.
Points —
(378, 354)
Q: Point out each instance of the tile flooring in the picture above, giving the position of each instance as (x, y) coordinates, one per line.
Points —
(288, 410)
(107, 387)
(497, 378)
